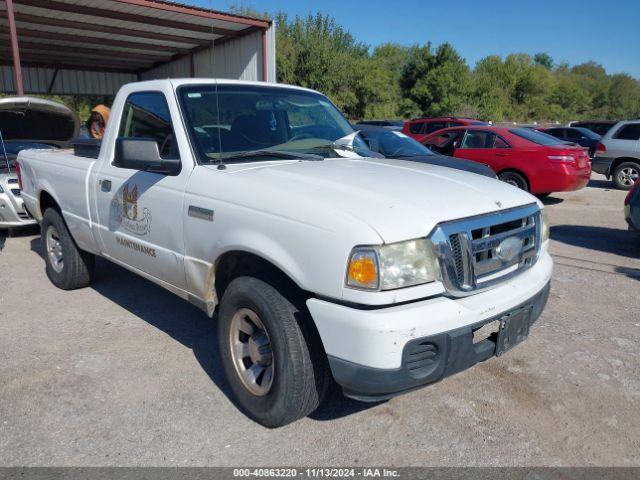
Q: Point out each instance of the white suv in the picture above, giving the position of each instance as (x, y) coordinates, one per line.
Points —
(618, 154)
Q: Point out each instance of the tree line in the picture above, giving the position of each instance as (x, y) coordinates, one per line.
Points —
(395, 81)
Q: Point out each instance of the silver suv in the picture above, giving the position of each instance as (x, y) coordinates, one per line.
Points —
(618, 154)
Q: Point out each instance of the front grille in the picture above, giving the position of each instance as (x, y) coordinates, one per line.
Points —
(483, 251)
(12, 180)
(456, 252)
(16, 192)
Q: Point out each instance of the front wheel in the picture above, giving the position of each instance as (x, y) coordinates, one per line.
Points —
(626, 174)
(515, 179)
(272, 357)
(67, 266)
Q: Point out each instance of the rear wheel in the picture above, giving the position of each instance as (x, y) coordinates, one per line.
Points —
(515, 179)
(626, 174)
(272, 357)
(67, 266)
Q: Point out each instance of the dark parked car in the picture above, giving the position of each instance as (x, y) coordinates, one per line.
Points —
(597, 126)
(632, 207)
(395, 124)
(394, 144)
(579, 135)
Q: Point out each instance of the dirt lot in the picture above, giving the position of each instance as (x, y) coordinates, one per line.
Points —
(124, 373)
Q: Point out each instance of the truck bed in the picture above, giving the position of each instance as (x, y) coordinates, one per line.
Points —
(64, 176)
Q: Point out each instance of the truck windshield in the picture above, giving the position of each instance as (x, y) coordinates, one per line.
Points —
(225, 121)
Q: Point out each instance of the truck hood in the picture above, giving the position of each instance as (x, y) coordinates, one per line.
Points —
(37, 120)
(399, 199)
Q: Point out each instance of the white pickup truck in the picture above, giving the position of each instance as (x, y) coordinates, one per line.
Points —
(320, 262)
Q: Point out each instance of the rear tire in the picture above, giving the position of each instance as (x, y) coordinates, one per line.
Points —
(275, 365)
(626, 174)
(67, 266)
(515, 179)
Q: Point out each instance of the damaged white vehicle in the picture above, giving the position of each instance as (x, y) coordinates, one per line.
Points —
(320, 264)
(28, 123)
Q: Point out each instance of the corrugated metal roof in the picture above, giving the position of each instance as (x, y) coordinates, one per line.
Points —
(130, 36)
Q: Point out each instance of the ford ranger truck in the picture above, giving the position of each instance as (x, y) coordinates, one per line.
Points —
(259, 204)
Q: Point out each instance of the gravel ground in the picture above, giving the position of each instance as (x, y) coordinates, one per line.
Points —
(124, 373)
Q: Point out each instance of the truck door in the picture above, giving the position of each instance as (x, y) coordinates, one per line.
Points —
(140, 213)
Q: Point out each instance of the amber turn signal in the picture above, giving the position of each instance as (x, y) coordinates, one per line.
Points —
(363, 270)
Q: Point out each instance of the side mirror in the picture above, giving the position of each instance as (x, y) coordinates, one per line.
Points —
(143, 154)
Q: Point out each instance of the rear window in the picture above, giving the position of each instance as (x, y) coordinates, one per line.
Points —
(534, 136)
(600, 128)
(628, 132)
(588, 133)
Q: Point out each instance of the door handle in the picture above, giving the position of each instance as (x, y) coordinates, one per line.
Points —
(501, 154)
(105, 185)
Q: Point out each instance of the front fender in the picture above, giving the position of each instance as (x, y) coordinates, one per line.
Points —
(200, 274)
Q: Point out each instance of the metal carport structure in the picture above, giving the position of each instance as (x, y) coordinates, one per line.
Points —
(92, 47)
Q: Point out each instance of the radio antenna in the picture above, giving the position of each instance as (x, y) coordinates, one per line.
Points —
(4, 150)
(221, 165)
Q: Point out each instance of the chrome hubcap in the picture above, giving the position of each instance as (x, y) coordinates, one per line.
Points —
(251, 351)
(54, 249)
(628, 176)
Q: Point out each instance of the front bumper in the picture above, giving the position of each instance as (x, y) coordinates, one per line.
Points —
(369, 349)
(13, 213)
(426, 360)
(602, 165)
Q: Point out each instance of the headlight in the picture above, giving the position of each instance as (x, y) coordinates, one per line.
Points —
(1, 190)
(388, 267)
(546, 232)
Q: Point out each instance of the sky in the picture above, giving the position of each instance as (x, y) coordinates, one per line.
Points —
(570, 31)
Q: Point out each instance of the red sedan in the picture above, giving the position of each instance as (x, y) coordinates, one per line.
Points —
(528, 159)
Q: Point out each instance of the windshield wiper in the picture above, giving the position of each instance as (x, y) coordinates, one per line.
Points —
(279, 154)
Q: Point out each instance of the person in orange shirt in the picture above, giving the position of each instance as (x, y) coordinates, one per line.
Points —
(98, 121)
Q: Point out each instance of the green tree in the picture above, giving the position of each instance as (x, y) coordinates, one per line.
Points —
(437, 82)
(544, 60)
(391, 80)
(624, 96)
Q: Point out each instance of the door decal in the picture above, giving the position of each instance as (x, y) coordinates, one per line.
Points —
(125, 212)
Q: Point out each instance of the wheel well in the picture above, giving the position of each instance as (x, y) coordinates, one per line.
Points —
(47, 201)
(236, 264)
(620, 160)
(519, 172)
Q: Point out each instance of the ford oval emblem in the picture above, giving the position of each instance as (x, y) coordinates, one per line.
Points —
(509, 249)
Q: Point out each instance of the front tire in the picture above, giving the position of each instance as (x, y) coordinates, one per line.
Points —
(272, 357)
(626, 174)
(515, 179)
(67, 266)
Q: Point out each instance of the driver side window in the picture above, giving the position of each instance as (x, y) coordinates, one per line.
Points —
(146, 115)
